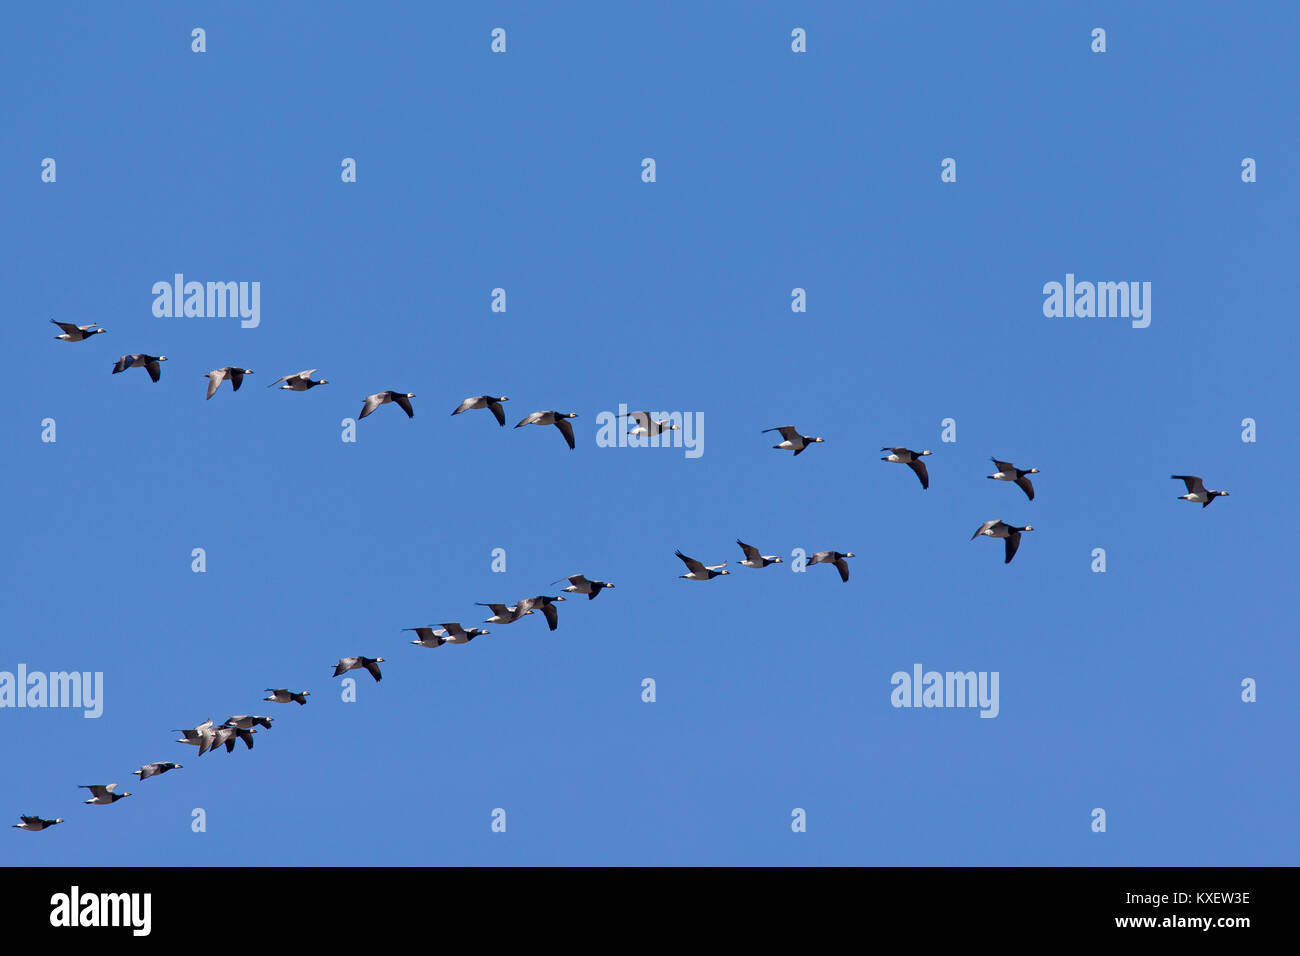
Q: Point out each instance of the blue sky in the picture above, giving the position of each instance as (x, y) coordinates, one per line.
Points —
(775, 171)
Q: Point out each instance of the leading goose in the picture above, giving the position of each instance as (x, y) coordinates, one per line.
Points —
(700, 571)
(371, 664)
(282, 695)
(1009, 472)
(755, 560)
(102, 795)
(997, 528)
(402, 399)
(140, 360)
(580, 585)
(912, 459)
(155, 769)
(1196, 491)
(836, 558)
(77, 333)
(485, 401)
(504, 614)
(558, 419)
(547, 606)
(35, 824)
(219, 375)
(300, 381)
(793, 441)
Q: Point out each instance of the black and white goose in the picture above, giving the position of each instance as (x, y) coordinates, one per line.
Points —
(282, 695)
(558, 419)
(998, 528)
(200, 736)
(155, 769)
(700, 571)
(547, 606)
(647, 427)
(401, 399)
(1009, 472)
(1196, 491)
(227, 737)
(300, 381)
(248, 721)
(77, 333)
(371, 664)
(485, 401)
(755, 560)
(35, 824)
(836, 558)
(150, 363)
(793, 441)
(912, 459)
(219, 375)
(450, 633)
(504, 613)
(101, 794)
(581, 585)
(455, 634)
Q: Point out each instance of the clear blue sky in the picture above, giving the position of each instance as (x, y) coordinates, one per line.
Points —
(775, 171)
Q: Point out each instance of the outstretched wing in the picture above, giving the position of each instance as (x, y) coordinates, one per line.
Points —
(918, 466)
(751, 552)
(566, 430)
(499, 412)
(1027, 486)
(695, 567)
(1013, 542)
(404, 404)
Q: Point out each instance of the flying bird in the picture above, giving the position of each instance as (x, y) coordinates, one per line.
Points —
(401, 399)
(77, 333)
(35, 824)
(504, 614)
(1009, 472)
(219, 375)
(699, 571)
(282, 696)
(793, 440)
(248, 721)
(102, 795)
(200, 736)
(371, 664)
(647, 427)
(155, 769)
(580, 585)
(299, 382)
(558, 419)
(912, 459)
(836, 558)
(998, 528)
(755, 560)
(1196, 491)
(485, 401)
(139, 360)
(546, 605)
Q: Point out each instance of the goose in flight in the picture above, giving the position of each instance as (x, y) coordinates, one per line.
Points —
(580, 585)
(371, 664)
(1196, 491)
(282, 695)
(226, 736)
(998, 528)
(219, 375)
(299, 382)
(1009, 472)
(699, 571)
(200, 736)
(755, 560)
(504, 614)
(101, 795)
(155, 769)
(140, 360)
(547, 606)
(402, 399)
(35, 824)
(836, 558)
(485, 401)
(77, 333)
(647, 427)
(793, 441)
(558, 419)
(912, 459)
(248, 721)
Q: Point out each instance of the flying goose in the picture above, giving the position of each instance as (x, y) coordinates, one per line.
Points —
(219, 375)
(1196, 491)
(1009, 472)
(558, 419)
(580, 585)
(248, 721)
(299, 382)
(547, 606)
(646, 427)
(76, 333)
(793, 440)
(101, 795)
(226, 736)
(998, 528)
(455, 634)
(139, 360)
(371, 664)
(755, 560)
(699, 571)
(282, 696)
(403, 400)
(503, 614)
(429, 636)
(912, 459)
(155, 769)
(200, 736)
(35, 824)
(485, 401)
(835, 558)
